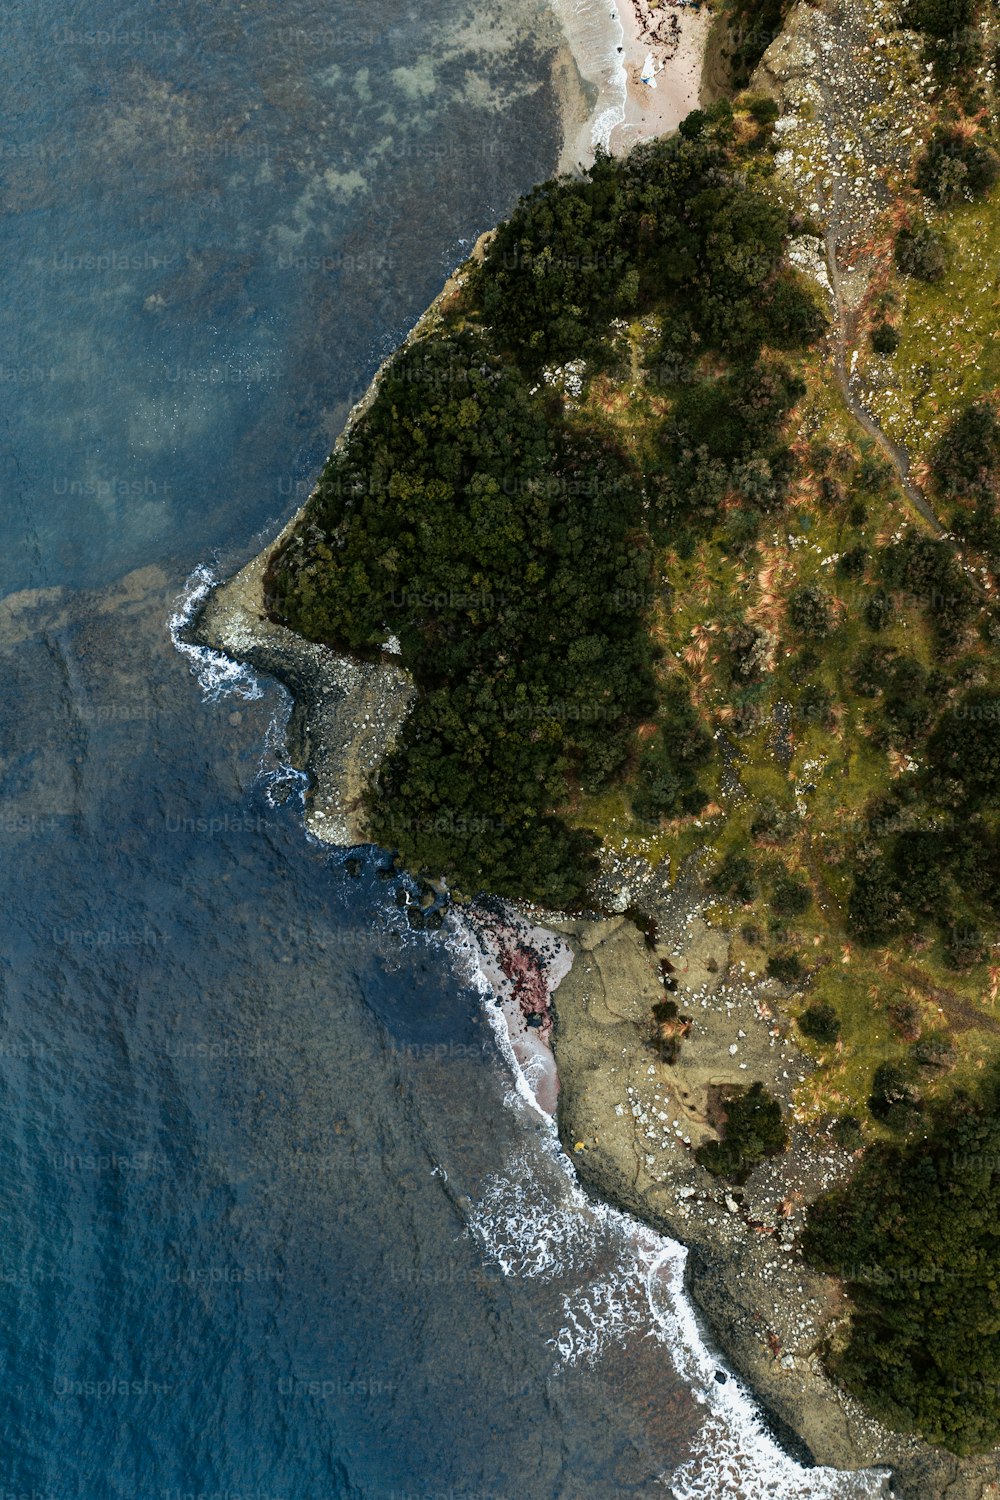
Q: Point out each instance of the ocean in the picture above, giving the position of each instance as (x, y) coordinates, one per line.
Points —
(279, 1219)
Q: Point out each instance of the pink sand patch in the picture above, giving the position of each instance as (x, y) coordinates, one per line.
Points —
(522, 965)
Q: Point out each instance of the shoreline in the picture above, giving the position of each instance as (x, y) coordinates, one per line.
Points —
(609, 43)
(673, 39)
(735, 1273)
(747, 1301)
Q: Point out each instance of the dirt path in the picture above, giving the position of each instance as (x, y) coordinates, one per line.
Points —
(962, 1014)
(844, 335)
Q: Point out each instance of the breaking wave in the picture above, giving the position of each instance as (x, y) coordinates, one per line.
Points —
(218, 675)
(594, 34)
(626, 1282)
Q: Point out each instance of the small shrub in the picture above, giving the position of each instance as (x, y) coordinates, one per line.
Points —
(904, 1018)
(920, 252)
(885, 338)
(801, 667)
(875, 910)
(852, 563)
(964, 948)
(809, 610)
(754, 1130)
(847, 1133)
(735, 878)
(790, 897)
(815, 705)
(748, 648)
(820, 1023)
(893, 1099)
(784, 966)
(871, 670)
(935, 1053)
(762, 107)
(773, 823)
(955, 166)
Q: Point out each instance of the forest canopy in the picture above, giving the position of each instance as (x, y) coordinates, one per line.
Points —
(506, 540)
(916, 1237)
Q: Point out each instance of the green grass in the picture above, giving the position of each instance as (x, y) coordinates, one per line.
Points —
(949, 350)
(708, 593)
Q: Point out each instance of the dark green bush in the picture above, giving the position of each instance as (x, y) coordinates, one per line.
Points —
(847, 1133)
(875, 911)
(956, 165)
(939, 18)
(821, 1023)
(893, 1099)
(814, 705)
(809, 610)
(735, 878)
(852, 562)
(878, 610)
(773, 823)
(754, 1130)
(966, 463)
(964, 947)
(790, 897)
(965, 749)
(665, 781)
(928, 572)
(787, 967)
(872, 669)
(764, 109)
(920, 252)
(885, 338)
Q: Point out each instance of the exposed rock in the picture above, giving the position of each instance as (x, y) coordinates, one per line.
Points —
(347, 713)
(639, 1122)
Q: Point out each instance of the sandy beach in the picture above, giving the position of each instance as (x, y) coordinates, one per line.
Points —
(611, 47)
(672, 37)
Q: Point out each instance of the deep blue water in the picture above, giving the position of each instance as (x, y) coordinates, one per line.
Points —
(272, 1225)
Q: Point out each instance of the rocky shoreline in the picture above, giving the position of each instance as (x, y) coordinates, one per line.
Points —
(632, 1123)
(630, 1120)
(347, 713)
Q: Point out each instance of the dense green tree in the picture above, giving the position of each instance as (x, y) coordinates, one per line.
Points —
(754, 1130)
(914, 1236)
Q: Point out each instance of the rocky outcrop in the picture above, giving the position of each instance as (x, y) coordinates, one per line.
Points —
(347, 713)
(632, 1123)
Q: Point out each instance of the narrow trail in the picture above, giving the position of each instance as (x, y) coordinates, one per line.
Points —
(844, 329)
(845, 325)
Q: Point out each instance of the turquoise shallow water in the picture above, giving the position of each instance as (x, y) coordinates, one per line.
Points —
(274, 1223)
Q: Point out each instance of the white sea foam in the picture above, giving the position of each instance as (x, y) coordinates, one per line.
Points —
(537, 1222)
(594, 34)
(218, 676)
(276, 776)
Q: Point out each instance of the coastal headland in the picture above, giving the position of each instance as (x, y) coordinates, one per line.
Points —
(710, 930)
